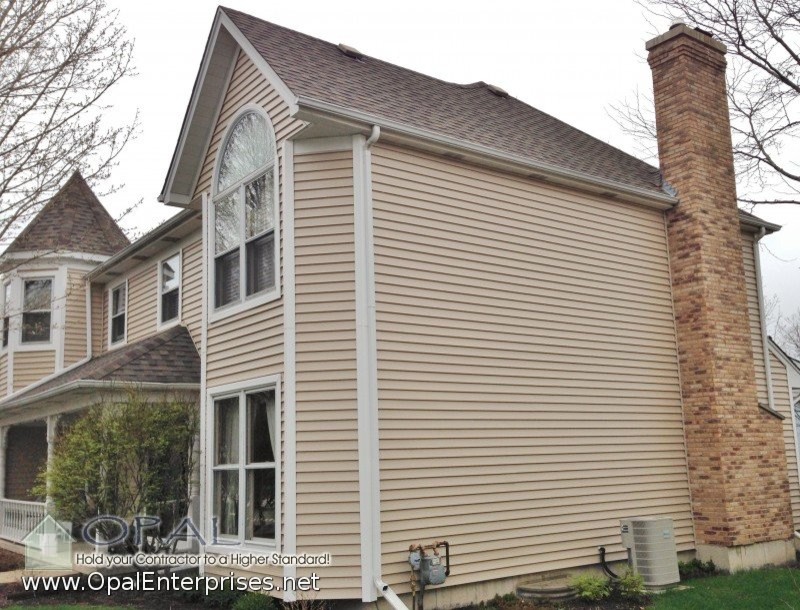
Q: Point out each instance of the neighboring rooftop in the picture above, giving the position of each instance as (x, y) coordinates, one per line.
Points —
(476, 113)
(169, 357)
(74, 220)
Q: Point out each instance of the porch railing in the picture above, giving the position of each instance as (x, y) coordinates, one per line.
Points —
(18, 518)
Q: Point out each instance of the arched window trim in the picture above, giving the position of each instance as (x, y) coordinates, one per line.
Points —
(245, 301)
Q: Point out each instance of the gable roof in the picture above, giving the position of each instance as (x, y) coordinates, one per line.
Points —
(169, 357)
(74, 220)
(319, 70)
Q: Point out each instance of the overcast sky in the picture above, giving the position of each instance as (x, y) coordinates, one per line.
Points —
(572, 60)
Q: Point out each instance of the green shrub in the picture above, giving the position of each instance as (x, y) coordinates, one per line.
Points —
(631, 585)
(254, 601)
(224, 597)
(592, 588)
(696, 568)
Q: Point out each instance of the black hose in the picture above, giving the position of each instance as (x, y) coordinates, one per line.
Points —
(604, 565)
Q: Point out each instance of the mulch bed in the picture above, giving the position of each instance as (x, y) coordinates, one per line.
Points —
(10, 561)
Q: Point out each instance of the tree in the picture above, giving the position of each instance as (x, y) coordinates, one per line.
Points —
(125, 458)
(58, 59)
(763, 40)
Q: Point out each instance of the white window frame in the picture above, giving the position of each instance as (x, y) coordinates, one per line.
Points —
(35, 345)
(177, 320)
(245, 302)
(6, 326)
(227, 544)
(110, 297)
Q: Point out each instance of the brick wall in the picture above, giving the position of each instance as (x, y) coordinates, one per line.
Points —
(737, 470)
(26, 455)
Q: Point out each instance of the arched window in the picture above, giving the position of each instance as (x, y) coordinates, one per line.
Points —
(245, 212)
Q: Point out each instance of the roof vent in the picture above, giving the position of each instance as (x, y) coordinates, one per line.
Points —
(350, 51)
(498, 91)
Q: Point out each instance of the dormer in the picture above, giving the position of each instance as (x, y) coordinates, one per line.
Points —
(43, 292)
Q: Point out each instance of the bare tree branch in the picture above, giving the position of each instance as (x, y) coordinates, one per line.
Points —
(58, 59)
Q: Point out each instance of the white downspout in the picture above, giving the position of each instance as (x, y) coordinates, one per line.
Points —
(391, 597)
(761, 314)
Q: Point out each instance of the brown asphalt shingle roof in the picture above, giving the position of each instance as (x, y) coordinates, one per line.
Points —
(318, 70)
(169, 357)
(73, 220)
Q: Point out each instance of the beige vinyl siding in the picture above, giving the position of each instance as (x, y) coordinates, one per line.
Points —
(328, 517)
(4, 374)
(31, 366)
(142, 314)
(99, 313)
(754, 315)
(527, 370)
(250, 344)
(75, 329)
(192, 289)
(783, 405)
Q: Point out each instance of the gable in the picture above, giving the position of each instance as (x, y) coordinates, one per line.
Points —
(247, 85)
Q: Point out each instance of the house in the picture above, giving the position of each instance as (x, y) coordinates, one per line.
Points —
(413, 310)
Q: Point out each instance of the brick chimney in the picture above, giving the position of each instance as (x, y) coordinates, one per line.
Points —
(737, 463)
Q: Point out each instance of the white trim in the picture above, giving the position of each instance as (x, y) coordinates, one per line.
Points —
(109, 296)
(283, 91)
(245, 302)
(763, 323)
(159, 281)
(204, 482)
(319, 145)
(56, 256)
(89, 349)
(37, 346)
(555, 173)
(366, 366)
(240, 389)
(289, 364)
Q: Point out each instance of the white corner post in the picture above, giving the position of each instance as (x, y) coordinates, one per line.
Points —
(3, 445)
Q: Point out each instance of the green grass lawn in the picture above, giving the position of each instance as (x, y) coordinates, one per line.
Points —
(758, 590)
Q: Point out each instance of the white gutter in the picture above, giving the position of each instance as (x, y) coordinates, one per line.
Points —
(764, 336)
(543, 170)
(391, 597)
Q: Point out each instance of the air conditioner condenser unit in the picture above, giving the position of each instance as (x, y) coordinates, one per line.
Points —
(651, 549)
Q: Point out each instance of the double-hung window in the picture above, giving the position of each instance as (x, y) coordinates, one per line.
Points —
(244, 467)
(170, 289)
(6, 312)
(118, 312)
(37, 304)
(245, 213)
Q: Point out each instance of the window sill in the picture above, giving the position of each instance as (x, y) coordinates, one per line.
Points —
(238, 308)
(227, 548)
(117, 345)
(34, 347)
(166, 325)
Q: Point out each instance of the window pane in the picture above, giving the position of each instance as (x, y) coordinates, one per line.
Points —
(260, 433)
(259, 208)
(118, 300)
(227, 431)
(6, 322)
(249, 146)
(226, 278)
(170, 273)
(37, 295)
(260, 255)
(169, 305)
(260, 515)
(118, 328)
(226, 223)
(35, 327)
(226, 501)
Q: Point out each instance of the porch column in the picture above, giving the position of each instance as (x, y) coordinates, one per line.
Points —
(3, 437)
(52, 427)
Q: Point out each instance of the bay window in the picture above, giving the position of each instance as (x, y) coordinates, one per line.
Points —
(37, 303)
(245, 213)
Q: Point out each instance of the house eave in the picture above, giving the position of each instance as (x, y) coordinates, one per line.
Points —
(314, 110)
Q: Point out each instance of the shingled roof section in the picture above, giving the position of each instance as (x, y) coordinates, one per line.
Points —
(318, 70)
(169, 357)
(74, 220)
